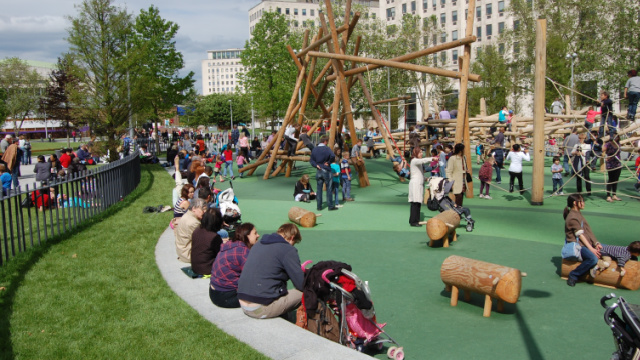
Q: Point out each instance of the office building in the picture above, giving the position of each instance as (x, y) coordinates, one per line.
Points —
(220, 72)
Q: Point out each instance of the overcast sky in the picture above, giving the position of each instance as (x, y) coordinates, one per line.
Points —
(36, 30)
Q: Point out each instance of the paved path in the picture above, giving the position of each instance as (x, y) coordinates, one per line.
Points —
(276, 338)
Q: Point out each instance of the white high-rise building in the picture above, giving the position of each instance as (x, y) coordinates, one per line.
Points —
(301, 14)
(220, 72)
(491, 19)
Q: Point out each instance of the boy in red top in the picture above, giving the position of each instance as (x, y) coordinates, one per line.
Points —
(637, 185)
(228, 163)
(65, 158)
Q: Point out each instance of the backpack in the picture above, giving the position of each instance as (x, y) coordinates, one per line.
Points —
(323, 322)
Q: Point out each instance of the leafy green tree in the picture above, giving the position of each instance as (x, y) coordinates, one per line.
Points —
(3, 105)
(159, 84)
(215, 109)
(271, 73)
(23, 87)
(495, 81)
(56, 102)
(98, 46)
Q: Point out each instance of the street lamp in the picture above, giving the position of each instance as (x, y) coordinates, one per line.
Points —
(572, 57)
(231, 109)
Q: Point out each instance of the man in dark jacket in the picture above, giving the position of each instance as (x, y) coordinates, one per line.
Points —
(321, 159)
(262, 287)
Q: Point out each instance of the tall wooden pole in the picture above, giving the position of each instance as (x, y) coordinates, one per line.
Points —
(537, 190)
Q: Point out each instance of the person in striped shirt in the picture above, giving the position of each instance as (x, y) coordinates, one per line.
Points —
(621, 254)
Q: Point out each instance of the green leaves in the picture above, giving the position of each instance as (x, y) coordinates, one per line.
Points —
(21, 87)
(215, 109)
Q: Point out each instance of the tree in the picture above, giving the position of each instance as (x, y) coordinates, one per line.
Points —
(271, 73)
(23, 87)
(102, 62)
(56, 102)
(495, 81)
(214, 109)
(3, 105)
(161, 87)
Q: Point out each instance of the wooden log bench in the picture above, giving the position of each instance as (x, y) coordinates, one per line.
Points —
(493, 281)
(303, 217)
(609, 277)
(442, 227)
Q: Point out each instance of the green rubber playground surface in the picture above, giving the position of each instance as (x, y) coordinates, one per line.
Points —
(550, 320)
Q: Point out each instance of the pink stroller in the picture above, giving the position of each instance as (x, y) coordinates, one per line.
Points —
(349, 298)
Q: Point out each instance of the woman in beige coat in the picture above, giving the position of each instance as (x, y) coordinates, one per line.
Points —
(416, 185)
(456, 171)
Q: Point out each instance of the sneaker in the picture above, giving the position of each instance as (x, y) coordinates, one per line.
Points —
(593, 271)
(498, 182)
(487, 197)
(481, 196)
(333, 208)
(571, 282)
(350, 199)
(338, 206)
(561, 193)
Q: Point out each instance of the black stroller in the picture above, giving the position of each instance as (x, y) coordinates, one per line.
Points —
(626, 329)
(439, 200)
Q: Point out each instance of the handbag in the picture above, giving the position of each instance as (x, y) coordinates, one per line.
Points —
(469, 178)
(571, 250)
(464, 166)
(432, 204)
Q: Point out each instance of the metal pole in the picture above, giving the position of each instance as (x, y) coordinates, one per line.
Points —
(128, 93)
(253, 120)
(231, 109)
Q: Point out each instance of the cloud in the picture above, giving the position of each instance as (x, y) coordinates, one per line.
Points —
(33, 24)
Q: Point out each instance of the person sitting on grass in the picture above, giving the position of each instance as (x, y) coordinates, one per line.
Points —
(185, 227)
(262, 288)
(303, 190)
(228, 265)
(205, 241)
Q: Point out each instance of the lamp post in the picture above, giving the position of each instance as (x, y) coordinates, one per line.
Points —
(572, 57)
(231, 109)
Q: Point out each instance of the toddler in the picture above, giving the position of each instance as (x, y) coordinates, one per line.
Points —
(621, 254)
(485, 174)
(345, 177)
(335, 172)
(556, 176)
(442, 161)
(241, 160)
(5, 177)
(435, 171)
(217, 167)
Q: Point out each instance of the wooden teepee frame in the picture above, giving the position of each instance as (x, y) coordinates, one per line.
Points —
(343, 77)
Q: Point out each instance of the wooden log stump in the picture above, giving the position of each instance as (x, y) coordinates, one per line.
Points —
(302, 217)
(610, 277)
(494, 281)
(442, 227)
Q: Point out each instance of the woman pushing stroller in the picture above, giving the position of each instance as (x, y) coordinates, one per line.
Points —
(440, 188)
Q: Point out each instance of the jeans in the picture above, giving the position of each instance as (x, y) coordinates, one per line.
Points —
(612, 184)
(240, 167)
(346, 188)
(324, 177)
(497, 167)
(567, 167)
(588, 125)
(224, 299)
(557, 184)
(589, 260)
(14, 176)
(587, 177)
(609, 121)
(512, 177)
(634, 96)
(443, 172)
(335, 190)
(228, 165)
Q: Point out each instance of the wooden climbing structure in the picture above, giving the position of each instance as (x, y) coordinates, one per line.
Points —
(342, 73)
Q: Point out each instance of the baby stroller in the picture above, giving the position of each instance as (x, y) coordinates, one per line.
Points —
(331, 288)
(231, 215)
(626, 329)
(439, 189)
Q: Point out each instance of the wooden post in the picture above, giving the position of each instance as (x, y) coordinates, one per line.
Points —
(487, 306)
(567, 100)
(537, 190)
(454, 295)
(483, 107)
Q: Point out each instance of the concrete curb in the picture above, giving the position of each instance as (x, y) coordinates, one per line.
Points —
(275, 338)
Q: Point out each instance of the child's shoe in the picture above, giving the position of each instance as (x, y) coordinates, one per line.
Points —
(594, 271)
(481, 196)
(487, 197)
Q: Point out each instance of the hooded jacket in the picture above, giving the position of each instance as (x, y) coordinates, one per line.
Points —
(271, 262)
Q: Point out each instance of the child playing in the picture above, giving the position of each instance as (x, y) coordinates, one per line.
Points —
(620, 253)
(434, 164)
(217, 167)
(228, 163)
(442, 161)
(241, 160)
(345, 177)
(5, 177)
(637, 184)
(335, 172)
(401, 167)
(556, 177)
(485, 174)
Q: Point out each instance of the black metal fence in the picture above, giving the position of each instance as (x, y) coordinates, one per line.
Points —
(35, 215)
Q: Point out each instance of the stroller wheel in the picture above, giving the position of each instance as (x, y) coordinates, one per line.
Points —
(399, 354)
(391, 352)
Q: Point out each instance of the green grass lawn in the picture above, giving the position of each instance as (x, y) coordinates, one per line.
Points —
(47, 148)
(97, 293)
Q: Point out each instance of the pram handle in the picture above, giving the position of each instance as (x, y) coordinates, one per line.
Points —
(325, 273)
(607, 315)
(304, 265)
(604, 299)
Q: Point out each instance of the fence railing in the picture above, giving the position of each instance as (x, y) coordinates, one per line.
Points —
(33, 216)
